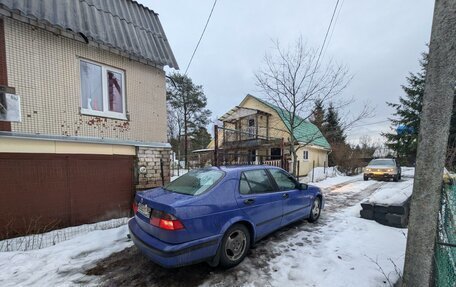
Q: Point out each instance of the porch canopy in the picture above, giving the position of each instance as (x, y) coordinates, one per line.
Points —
(240, 112)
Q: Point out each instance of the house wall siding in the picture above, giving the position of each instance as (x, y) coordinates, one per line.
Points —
(44, 69)
(319, 156)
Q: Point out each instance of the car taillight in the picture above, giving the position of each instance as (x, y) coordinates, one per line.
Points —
(135, 207)
(165, 220)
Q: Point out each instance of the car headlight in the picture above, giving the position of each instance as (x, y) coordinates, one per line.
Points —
(390, 169)
(368, 169)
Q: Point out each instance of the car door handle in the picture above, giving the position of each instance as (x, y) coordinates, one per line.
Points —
(249, 201)
(285, 195)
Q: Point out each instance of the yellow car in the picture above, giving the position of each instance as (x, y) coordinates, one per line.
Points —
(383, 168)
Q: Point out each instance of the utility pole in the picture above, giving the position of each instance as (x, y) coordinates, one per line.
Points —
(432, 143)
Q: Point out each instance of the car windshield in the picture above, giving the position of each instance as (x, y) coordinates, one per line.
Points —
(195, 182)
(385, 162)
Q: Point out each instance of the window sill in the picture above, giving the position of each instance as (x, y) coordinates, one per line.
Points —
(104, 115)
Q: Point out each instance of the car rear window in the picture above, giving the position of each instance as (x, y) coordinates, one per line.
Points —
(195, 182)
(386, 162)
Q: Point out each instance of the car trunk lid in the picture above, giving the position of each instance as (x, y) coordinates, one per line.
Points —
(159, 199)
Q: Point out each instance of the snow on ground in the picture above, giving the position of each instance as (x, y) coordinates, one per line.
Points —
(61, 264)
(340, 250)
(408, 171)
(43, 240)
(337, 180)
(320, 173)
(346, 252)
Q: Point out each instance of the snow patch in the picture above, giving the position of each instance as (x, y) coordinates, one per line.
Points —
(42, 240)
(63, 263)
(392, 194)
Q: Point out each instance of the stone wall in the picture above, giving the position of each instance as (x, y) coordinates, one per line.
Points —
(148, 167)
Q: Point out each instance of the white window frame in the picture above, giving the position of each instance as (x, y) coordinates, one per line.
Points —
(305, 155)
(104, 87)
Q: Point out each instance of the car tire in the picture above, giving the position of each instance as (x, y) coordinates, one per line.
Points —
(366, 178)
(396, 178)
(315, 211)
(235, 245)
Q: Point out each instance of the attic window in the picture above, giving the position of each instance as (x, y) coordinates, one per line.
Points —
(102, 90)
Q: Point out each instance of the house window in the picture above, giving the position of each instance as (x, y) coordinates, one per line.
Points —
(102, 90)
(276, 153)
(305, 155)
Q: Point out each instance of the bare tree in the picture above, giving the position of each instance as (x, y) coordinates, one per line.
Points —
(294, 79)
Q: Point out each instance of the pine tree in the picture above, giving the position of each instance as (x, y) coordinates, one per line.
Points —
(200, 138)
(188, 102)
(407, 116)
(334, 133)
(318, 115)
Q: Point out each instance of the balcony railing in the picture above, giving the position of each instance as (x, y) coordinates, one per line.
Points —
(247, 133)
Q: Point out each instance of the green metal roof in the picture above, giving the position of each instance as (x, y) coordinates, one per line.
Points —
(302, 133)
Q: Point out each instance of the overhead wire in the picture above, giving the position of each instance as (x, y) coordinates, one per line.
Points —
(201, 37)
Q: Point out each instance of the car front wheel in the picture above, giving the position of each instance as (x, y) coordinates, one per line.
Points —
(316, 210)
(235, 245)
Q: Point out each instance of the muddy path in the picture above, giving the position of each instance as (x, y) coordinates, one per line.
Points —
(130, 268)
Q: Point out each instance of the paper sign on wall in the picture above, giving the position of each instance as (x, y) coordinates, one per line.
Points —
(10, 107)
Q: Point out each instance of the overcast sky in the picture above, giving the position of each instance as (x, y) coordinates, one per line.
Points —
(380, 42)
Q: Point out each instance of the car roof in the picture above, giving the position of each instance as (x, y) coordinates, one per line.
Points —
(237, 168)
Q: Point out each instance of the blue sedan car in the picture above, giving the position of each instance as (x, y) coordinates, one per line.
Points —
(216, 214)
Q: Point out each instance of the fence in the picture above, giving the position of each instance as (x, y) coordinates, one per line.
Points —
(445, 253)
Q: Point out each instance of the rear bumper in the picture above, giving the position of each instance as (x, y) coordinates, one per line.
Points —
(173, 255)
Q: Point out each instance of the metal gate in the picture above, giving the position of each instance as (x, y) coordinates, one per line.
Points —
(41, 192)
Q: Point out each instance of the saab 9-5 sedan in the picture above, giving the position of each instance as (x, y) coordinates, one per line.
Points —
(216, 214)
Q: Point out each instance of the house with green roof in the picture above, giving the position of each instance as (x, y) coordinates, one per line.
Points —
(259, 132)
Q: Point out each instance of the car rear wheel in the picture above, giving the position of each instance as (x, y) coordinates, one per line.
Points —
(235, 245)
(316, 210)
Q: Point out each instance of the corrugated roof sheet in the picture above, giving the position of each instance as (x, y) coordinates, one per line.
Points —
(306, 132)
(124, 25)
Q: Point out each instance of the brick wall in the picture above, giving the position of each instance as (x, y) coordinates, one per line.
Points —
(149, 158)
(44, 69)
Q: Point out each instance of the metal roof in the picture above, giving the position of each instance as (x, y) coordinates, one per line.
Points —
(123, 25)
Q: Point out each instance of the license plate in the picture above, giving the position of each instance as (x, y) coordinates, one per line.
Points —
(144, 210)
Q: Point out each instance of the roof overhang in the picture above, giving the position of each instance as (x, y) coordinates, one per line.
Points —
(122, 27)
(240, 112)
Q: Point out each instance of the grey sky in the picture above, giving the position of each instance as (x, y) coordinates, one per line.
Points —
(380, 41)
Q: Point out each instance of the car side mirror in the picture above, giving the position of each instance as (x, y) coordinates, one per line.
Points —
(302, 186)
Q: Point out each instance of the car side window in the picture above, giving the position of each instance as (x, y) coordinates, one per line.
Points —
(283, 180)
(255, 181)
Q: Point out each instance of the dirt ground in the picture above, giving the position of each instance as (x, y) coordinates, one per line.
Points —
(130, 268)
